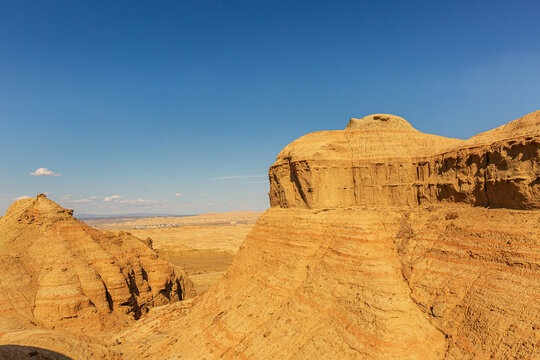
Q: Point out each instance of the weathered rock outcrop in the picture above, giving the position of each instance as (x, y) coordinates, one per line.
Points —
(306, 284)
(476, 273)
(372, 250)
(59, 273)
(383, 160)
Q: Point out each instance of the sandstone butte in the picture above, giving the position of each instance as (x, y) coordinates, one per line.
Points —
(65, 286)
(381, 243)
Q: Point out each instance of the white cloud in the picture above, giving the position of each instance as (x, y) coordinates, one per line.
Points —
(138, 201)
(178, 194)
(240, 177)
(69, 198)
(112, 197)
(203, 194)
(86, 200)
(44, 172)
(21, 197)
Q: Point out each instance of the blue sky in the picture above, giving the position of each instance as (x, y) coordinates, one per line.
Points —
(147, 100)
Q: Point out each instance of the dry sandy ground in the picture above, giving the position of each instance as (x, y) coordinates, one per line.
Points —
(203, 245)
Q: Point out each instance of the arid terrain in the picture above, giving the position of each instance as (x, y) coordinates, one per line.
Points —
(66, 285)
(381, 242)
(202, 245)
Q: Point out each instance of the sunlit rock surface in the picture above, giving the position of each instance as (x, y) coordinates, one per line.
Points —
(58, 273)
(381, 243)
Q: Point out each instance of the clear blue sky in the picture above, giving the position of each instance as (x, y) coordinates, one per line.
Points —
(145, 100)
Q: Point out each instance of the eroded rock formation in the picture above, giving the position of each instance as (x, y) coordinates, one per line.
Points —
(383, 160)
(58, 273)
(381, 243)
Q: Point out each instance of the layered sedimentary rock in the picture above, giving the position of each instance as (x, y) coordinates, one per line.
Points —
(383, 160)
(58, 273)
(476, 273)
(306, 284)
(450, 282)
(381, 243)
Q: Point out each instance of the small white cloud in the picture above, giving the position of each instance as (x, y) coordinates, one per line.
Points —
(178, 194)
(44, 172)
(86, 200)
(21, 197)
(138, 201)
(69, 198)
(203, 194)
(112, 197)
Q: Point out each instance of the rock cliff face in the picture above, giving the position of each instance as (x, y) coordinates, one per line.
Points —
(475, 273)
(382, 160)
(58, 273)
(306, 284)
(381, 243)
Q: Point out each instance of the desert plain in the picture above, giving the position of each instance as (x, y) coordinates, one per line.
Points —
(203, 245)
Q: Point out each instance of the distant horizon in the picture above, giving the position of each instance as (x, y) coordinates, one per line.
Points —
(87, 216)
(135, 215)
(144, 215)
(144, 107)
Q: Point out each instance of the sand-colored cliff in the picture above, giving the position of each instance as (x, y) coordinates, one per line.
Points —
(62, 277)
(381, 243)
(383, 160)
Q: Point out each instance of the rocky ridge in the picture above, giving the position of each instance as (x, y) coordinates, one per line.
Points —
(61, 275)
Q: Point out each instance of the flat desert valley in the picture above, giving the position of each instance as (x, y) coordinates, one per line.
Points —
(203, 245)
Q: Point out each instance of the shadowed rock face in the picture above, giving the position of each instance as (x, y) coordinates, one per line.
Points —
(16, 352)
(372, 250)
(59, 273)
